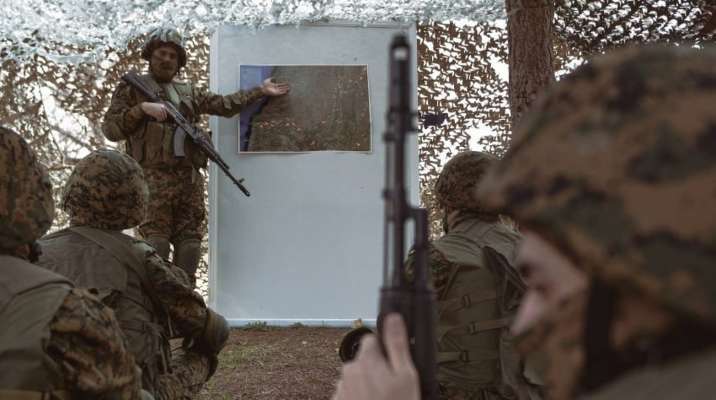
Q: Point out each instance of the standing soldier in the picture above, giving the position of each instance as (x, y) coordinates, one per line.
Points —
(176, 207)
(477, 290)
(56, 342)
(151, 298)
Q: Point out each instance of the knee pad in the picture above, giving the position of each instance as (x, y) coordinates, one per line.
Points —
(187, 254)
(160, 244)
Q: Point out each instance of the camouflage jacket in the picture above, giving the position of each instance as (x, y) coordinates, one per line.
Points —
(690, 377)
(150, 310)
(151, 142)
(59, 340)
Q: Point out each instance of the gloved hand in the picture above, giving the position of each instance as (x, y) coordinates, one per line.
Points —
(215, 335)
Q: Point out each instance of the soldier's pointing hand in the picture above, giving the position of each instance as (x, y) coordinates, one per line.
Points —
(271, 88)
(155, 110)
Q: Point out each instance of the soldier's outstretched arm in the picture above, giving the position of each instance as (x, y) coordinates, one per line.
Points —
(225, 106)
(86, 343)
(124, 114)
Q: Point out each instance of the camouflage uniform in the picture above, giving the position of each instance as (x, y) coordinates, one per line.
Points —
(176, 212)
(477, 290)
(56, 341)
(151, 298)
(616, 166)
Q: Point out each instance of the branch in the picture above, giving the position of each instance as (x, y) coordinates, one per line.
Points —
(72, 137)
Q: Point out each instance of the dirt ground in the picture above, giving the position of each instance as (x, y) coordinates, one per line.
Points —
(264, 363)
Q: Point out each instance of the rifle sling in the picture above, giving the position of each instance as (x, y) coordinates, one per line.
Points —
(123, 252)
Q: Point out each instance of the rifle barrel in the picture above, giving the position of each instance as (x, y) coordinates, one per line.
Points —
(413, 300)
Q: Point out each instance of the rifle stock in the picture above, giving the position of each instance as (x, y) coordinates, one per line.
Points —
(187, 128)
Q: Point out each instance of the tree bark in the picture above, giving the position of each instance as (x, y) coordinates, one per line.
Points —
(529, 32)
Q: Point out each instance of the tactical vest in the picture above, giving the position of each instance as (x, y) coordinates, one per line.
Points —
(112, 265)
(152, 144)
(29, 298)
(475, 309)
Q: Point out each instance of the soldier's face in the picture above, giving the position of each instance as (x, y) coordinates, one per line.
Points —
(164, 63)
(551, 279)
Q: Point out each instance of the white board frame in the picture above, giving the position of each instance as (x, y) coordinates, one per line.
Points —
(334, 190)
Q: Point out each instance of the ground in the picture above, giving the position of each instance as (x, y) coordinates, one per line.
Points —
(264, 363)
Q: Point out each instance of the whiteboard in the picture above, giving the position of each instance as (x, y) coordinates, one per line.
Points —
(306, 247)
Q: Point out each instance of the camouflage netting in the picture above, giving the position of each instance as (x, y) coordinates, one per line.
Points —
(597, 25)
(55, 88)
(76, 31)
(458, 79)
(462, 94)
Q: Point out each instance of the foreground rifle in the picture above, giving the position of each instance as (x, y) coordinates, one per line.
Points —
(184, 128)
(413, 299)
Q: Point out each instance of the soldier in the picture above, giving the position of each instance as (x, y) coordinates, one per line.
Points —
(614, 176)
(151, 298)
(477, 290)
(56, 342)
(176, 206)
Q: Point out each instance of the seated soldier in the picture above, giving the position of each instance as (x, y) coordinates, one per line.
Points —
(620, 247)
(56, 342)
(478, 290)
(151, 298)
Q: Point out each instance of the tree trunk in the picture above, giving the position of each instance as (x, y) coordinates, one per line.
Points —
(529, 32)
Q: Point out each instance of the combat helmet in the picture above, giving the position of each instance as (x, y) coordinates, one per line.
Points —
(106, 190)
(26, 205)
(455, 187)
(163, 36)
(616, 166)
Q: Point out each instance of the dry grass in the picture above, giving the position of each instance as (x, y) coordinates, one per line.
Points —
(264, 363)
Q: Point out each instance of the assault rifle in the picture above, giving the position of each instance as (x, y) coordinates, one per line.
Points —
(185, 128)
(413, 299)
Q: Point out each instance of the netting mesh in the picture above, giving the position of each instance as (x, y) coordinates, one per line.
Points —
(76, 31)
(461, 95)
(597, 25)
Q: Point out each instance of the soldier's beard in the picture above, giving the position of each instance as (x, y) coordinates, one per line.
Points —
(163, 71)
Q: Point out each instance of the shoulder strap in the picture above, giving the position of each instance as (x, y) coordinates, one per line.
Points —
(172, 93)
(124, 253)
(184, 92)
(497, 262)
(153, 85)
(128, 256)
(118, 248)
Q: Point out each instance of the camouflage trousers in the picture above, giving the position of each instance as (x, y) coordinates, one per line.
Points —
(176, 204)
(189, 371)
